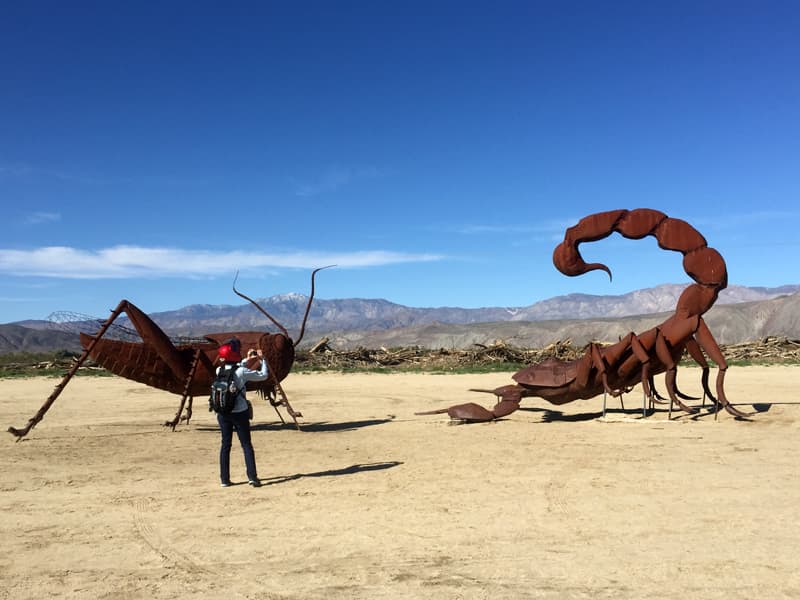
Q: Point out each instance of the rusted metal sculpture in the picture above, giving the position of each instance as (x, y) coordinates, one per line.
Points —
(186, 369)
(636, 358)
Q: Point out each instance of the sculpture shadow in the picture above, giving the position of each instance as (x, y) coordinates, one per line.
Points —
(351, 470)
(552, 416)
(320, 426)
(703, 412)
(315, 427)
(765, 406)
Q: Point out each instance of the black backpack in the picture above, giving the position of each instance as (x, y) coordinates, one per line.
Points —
(224, 391)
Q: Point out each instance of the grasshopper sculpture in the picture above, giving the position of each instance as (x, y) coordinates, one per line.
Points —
(186, 369)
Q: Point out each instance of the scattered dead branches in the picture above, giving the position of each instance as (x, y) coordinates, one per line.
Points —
(770, 350)
(418, 358)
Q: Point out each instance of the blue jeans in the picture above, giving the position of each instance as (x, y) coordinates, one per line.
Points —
(227, 425)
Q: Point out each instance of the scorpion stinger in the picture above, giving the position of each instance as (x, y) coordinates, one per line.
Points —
(636, 358)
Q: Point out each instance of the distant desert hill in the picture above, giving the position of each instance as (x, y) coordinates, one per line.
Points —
(742, 314)
(16, 338)
(730, 323)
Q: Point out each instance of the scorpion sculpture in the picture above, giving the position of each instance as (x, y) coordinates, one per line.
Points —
(186, 369)
(635, 358)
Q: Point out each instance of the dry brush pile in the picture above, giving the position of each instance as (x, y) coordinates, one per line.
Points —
(415, 358)
(497, 356)
(770, 350)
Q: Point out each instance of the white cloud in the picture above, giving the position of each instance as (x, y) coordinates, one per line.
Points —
(333, 179)
(24, 171)
(733, 220)
(38, 218)
(121, 262)
(14, 170)
(548, 227)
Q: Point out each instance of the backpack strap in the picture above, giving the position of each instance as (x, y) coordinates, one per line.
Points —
(231, 374)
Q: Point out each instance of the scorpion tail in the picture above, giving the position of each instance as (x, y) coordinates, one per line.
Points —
(703, 264)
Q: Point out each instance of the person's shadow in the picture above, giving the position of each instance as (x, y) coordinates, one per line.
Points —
(319, 426)
(314, 427)
(351, 470)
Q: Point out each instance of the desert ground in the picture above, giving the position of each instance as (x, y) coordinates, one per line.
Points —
(371, 500)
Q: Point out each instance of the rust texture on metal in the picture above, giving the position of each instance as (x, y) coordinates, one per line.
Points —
(186, 369)
(636, 358)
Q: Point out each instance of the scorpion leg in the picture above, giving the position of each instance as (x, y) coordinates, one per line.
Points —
(707, 342)
(697, 354)
(599, 363)
(646, 377)
(657, 397)
(665, 356)
(648, 384)
(641, 355)
(661, 400)
(678, 393)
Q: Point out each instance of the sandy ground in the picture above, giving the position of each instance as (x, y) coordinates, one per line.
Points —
(372, 501)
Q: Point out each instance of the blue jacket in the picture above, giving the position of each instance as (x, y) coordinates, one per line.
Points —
(241, 377)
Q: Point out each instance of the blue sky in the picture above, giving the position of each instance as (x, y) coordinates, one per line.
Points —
(434, 151)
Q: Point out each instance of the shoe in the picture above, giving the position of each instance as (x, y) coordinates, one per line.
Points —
(225, 484)
(255, 482)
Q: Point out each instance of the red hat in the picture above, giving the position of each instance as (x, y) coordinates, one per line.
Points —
(229, 353)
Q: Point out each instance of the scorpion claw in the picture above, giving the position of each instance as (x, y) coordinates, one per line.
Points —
(470, 413)
(475, 413)
(736, 412)
(686, 408)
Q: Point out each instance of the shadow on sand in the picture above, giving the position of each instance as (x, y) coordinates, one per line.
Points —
(552, 416)
(321, 426)
(316, 427)
(351, 470)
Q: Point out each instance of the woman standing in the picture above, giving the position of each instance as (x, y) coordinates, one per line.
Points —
(239, 418)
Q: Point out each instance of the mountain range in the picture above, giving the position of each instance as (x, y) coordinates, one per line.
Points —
(740, 314)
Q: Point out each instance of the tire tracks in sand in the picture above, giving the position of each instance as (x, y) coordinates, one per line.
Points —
(174, 558)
